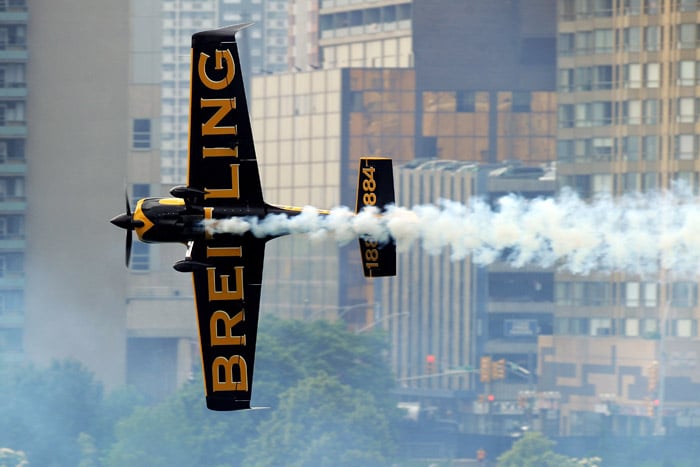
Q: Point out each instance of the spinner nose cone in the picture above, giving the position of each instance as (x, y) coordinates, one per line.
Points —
(123, 221)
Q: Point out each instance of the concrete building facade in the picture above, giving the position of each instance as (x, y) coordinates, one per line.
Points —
(14, 56)
(624, 350)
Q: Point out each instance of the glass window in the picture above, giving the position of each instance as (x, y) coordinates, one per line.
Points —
(602, 40)
(631, 327)
(603, 77)
(652, 74)
(649, 326)
(687, 72)
(466, 101)
(602, 184)
(584, 42)
(601, 327)
(632, 75)
(631, 291)
(630, 182)
(685, 147)
(686, 110)
(652, 38)
(651, 290)
(141, 134)
(650, 147)
(651, 109)
(631, 39)
(632, 7)
(632, 112)
(684, 328)
(684, 294)
(521, 101)
(650, 181)
(630, 148)
(566, 79)
(687, 36)
(566, 44)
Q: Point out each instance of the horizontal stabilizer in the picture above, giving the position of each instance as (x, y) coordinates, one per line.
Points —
(375, 187)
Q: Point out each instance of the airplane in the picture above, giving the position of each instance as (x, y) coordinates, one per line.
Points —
(223, 182)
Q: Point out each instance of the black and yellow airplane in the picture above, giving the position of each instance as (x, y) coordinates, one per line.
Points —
(224, 182)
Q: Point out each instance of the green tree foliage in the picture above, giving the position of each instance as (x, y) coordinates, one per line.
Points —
(290, 356)
(536, 450)
(43, 411)
(322, 422)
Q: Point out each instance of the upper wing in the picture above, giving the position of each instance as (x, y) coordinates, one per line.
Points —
(222, 160)
(227, 295)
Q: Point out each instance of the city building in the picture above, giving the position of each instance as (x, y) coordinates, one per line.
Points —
(311, 128)
(77, 74)
(14, 55)
(624, 351)
(461, 332)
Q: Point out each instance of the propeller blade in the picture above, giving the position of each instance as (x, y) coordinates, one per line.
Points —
(128, 231)
(128, 247)
(128, 205)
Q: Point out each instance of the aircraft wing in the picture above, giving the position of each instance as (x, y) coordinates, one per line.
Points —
(222, 161)
(227, 296)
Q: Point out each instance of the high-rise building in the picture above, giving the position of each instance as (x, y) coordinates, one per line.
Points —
(77, 74)
(628, 122)
(13, 168)
(264, 48)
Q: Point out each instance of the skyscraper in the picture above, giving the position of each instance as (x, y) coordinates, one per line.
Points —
(13, 165)
(627, 77)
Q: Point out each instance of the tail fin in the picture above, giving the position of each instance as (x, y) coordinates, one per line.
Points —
(375, 187)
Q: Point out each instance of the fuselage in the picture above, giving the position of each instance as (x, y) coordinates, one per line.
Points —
(158, 220)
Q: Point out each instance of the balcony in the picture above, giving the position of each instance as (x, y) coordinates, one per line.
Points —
(13, 168)
(13, 91)
(13, 129)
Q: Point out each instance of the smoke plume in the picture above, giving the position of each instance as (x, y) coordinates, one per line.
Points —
(639, 234)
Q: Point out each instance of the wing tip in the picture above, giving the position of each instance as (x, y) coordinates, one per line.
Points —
(217, 35)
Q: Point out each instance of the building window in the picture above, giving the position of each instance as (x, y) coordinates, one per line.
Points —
(601, 327)
(686, 110)
(632, 7)
(566, 44)
(632, 39)
(630, 148)
(141, 134)
(684, 294)
(140, 252)
(688, 36)
(631, 327)
(521, 101)
(631, 294)
(652, 38)
(651, 109)
(684, 328)
(685, 147)
(688, 72)
(652, 75)
(466, 101)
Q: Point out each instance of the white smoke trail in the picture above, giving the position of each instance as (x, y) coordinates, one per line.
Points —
(638, 234)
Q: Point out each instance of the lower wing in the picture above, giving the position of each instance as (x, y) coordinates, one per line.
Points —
(227, 287)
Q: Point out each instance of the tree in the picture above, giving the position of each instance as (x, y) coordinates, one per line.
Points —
(535, 450)
(322, 422)
(181, 431)
(43, 411)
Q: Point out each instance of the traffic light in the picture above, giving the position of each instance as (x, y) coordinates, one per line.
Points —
(651, 407)
(653, 375)
(485, 369)
(430, 364)
(498, 369)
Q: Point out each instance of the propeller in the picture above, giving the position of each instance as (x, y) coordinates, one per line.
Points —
(127, 222)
